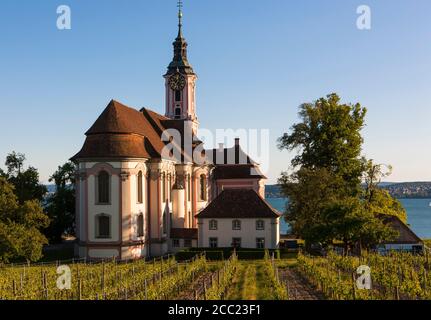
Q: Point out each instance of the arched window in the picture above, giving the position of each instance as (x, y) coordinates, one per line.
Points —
(177, 95)
(103, 226)
(140, 223)
(213, 225)
(236, 225)
(103, 188)
(140, 187)
(203, 185)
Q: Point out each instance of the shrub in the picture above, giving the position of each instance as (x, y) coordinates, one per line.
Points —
(186, 255)
(214, 255)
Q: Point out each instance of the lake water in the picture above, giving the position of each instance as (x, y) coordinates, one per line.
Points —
(418, 213)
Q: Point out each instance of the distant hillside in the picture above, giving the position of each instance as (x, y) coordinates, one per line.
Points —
(404, 190)
(273, 191)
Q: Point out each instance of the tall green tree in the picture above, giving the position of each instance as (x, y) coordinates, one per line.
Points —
(329, 136)
(25, 181)
(326, 198)
(20, 226)
(309, 192)
(61, 205)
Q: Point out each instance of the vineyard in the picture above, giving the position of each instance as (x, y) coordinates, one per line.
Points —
(163, 279)
(396, 276)
(140, 280)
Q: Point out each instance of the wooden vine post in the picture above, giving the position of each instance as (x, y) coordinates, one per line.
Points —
(354, 285)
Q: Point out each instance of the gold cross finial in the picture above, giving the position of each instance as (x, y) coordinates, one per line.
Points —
(180, 9)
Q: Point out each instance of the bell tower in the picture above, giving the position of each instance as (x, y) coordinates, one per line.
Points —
(180, 81)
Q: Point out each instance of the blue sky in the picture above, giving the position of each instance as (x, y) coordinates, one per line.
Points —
(257, 61)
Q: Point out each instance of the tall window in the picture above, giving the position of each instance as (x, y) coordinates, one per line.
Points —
(140, 223)
(213, 225)
(177, 112)
(140, 188)
(213, 242)
(169, 188)
(176, 243)
(164, 223)
(260, 243)
(103, 187)
(103, 226)
(203, 185)
(236, 225)
(163, 187)
(260, 225)
(177, 95)
(189, 188)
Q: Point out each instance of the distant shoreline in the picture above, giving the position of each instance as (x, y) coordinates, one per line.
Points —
(399, 198)
(401, 190)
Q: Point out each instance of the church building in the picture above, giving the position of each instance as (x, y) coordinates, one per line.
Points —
(146, 186)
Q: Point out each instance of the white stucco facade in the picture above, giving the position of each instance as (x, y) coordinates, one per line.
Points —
(248, 234)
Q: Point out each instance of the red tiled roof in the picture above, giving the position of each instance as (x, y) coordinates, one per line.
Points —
(239, 203)
(177, 233)
(121, 132)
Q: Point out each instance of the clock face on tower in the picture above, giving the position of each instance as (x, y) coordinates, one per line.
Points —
(177, 82)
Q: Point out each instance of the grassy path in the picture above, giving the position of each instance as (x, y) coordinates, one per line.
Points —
(250, 283)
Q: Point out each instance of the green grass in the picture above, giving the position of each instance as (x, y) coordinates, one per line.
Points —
(252, 283)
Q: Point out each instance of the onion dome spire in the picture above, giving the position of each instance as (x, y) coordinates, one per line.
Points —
(180, 62)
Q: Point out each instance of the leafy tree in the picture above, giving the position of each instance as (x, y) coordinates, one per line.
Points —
(14, 163)
(326, 198)
(20, 226)
(329, 136)
(377, 200)
(310, 191)
(26, 182)
(61, 205)
(354, 225)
